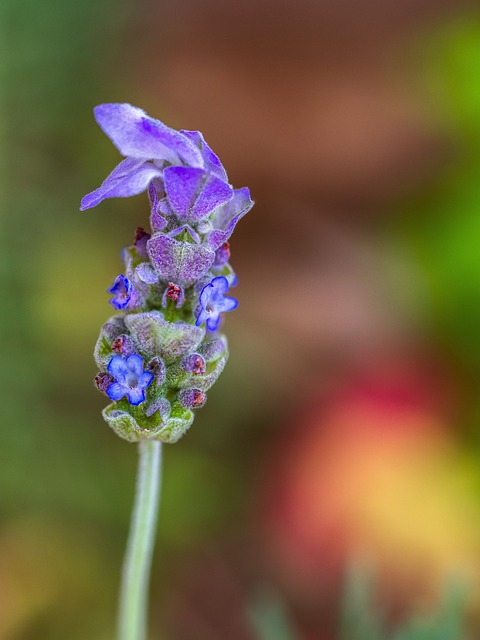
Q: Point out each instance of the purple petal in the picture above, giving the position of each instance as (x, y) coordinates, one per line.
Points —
(116, 391)
(229, 304)
(126, 166)
(194, 193)
(213, 321)
(123, 186)
(211, 160)
(153, 196)
(135, 364)
(179, 262)
(226, 217)
(137, 135)
(118, 368)
(220, 283)
(201, 317)
(145, 379)
(136, 395)
(164, 208)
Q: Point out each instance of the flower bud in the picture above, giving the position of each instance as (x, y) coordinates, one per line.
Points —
(192, 398)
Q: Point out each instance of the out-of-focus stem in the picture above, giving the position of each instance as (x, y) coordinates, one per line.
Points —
(133, 611)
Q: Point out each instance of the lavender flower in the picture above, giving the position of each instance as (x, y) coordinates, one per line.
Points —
(122, 292)
(213, 301)
(176, 277)
(130, 378)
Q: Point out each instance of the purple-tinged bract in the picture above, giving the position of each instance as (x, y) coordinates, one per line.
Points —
(194, 193)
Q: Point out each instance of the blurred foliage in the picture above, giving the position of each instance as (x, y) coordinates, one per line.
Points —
(66, 482)
(441, 223)
(269, 618)
(362, 617)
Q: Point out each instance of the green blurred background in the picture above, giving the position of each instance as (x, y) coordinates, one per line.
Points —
(345, 432)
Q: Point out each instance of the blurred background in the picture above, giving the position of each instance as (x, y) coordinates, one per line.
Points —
(330, 489)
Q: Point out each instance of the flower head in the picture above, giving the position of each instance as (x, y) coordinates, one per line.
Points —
(213, 302)
(130, 378)
(122, 290)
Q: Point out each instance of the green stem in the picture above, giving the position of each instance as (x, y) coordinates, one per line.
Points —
(138, 558)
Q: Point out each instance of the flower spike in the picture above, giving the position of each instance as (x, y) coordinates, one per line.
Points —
(173, 291)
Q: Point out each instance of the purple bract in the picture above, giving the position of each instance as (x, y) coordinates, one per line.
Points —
(149, 146)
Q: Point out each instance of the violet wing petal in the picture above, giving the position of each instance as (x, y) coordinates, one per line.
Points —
(215, 193)
(182, 185)
(226, 217)
(193, 193)
(128, 184)
(152, 195)
(179, 262)
(211, 160)
(126, 166)
(137, 135)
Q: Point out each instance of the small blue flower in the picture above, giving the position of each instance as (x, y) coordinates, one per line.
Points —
(130, 378)
(122, 292)
(213, 302)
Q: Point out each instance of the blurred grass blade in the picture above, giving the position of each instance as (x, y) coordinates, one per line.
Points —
(446, 624)
(360, 617)
(268, 617)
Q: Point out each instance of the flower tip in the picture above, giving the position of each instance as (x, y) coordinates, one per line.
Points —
(89, 201)
(108, 112)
